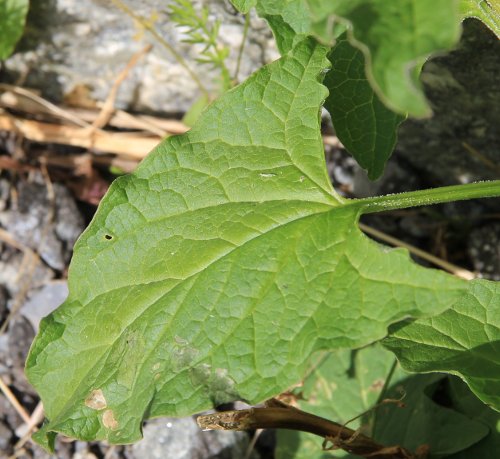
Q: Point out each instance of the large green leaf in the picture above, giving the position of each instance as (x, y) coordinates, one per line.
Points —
(12, 17)
(486, 11)
(218, 267)
(365, 126)
(464, 341)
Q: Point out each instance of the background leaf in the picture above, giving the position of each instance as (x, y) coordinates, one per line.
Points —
(342, 385)
(347, 384)
(419, 27)
(219, 266)
(486, 11)
(465, 402)
(424, 421)
(12, 17)
(464, 341)
(364, 125)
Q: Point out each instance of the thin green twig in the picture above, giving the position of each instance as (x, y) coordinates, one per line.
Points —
(383, 393)
(242, 47)
(486, 189)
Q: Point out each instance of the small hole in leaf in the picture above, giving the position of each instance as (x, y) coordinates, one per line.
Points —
(108, 237)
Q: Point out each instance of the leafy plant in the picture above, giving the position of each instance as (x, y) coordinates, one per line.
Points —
(215, 270)
(12, 17)
(201, 31)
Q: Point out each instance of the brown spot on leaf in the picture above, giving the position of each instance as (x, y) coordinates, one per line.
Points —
(109, 421)
(96, 400)
(377, 385)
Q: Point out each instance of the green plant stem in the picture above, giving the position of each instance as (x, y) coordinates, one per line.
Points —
(147, 25)
(382, 394)
(488, 189)
(242, 47)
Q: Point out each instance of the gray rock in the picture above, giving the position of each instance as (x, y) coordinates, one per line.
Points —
(4, 193)
(44, 301)
(30, 222)
(69, 222)
(56, 62)
(484, 250)
(61, 453)
(3, 303)
(13, 272)
(171, 438)
(8, 415)
(84, 455)
(5, 439)
(21, 335)
(27, 222)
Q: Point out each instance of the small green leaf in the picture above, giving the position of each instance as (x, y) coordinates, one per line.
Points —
(12, 17)
(364, 125)
(216, 269)
(288, 21)
(422, 421)
(464, 341)
(486, 11)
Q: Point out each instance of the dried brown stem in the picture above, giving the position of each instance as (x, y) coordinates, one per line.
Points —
(13, 401)
(281, 417)
(120, 143)
(108, 107)
(450, 267)
(48, 106)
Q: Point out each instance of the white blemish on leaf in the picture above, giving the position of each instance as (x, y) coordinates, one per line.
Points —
(180, 340)
(156, 366)
(263, 175)
(96, 400)
(109, 421)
